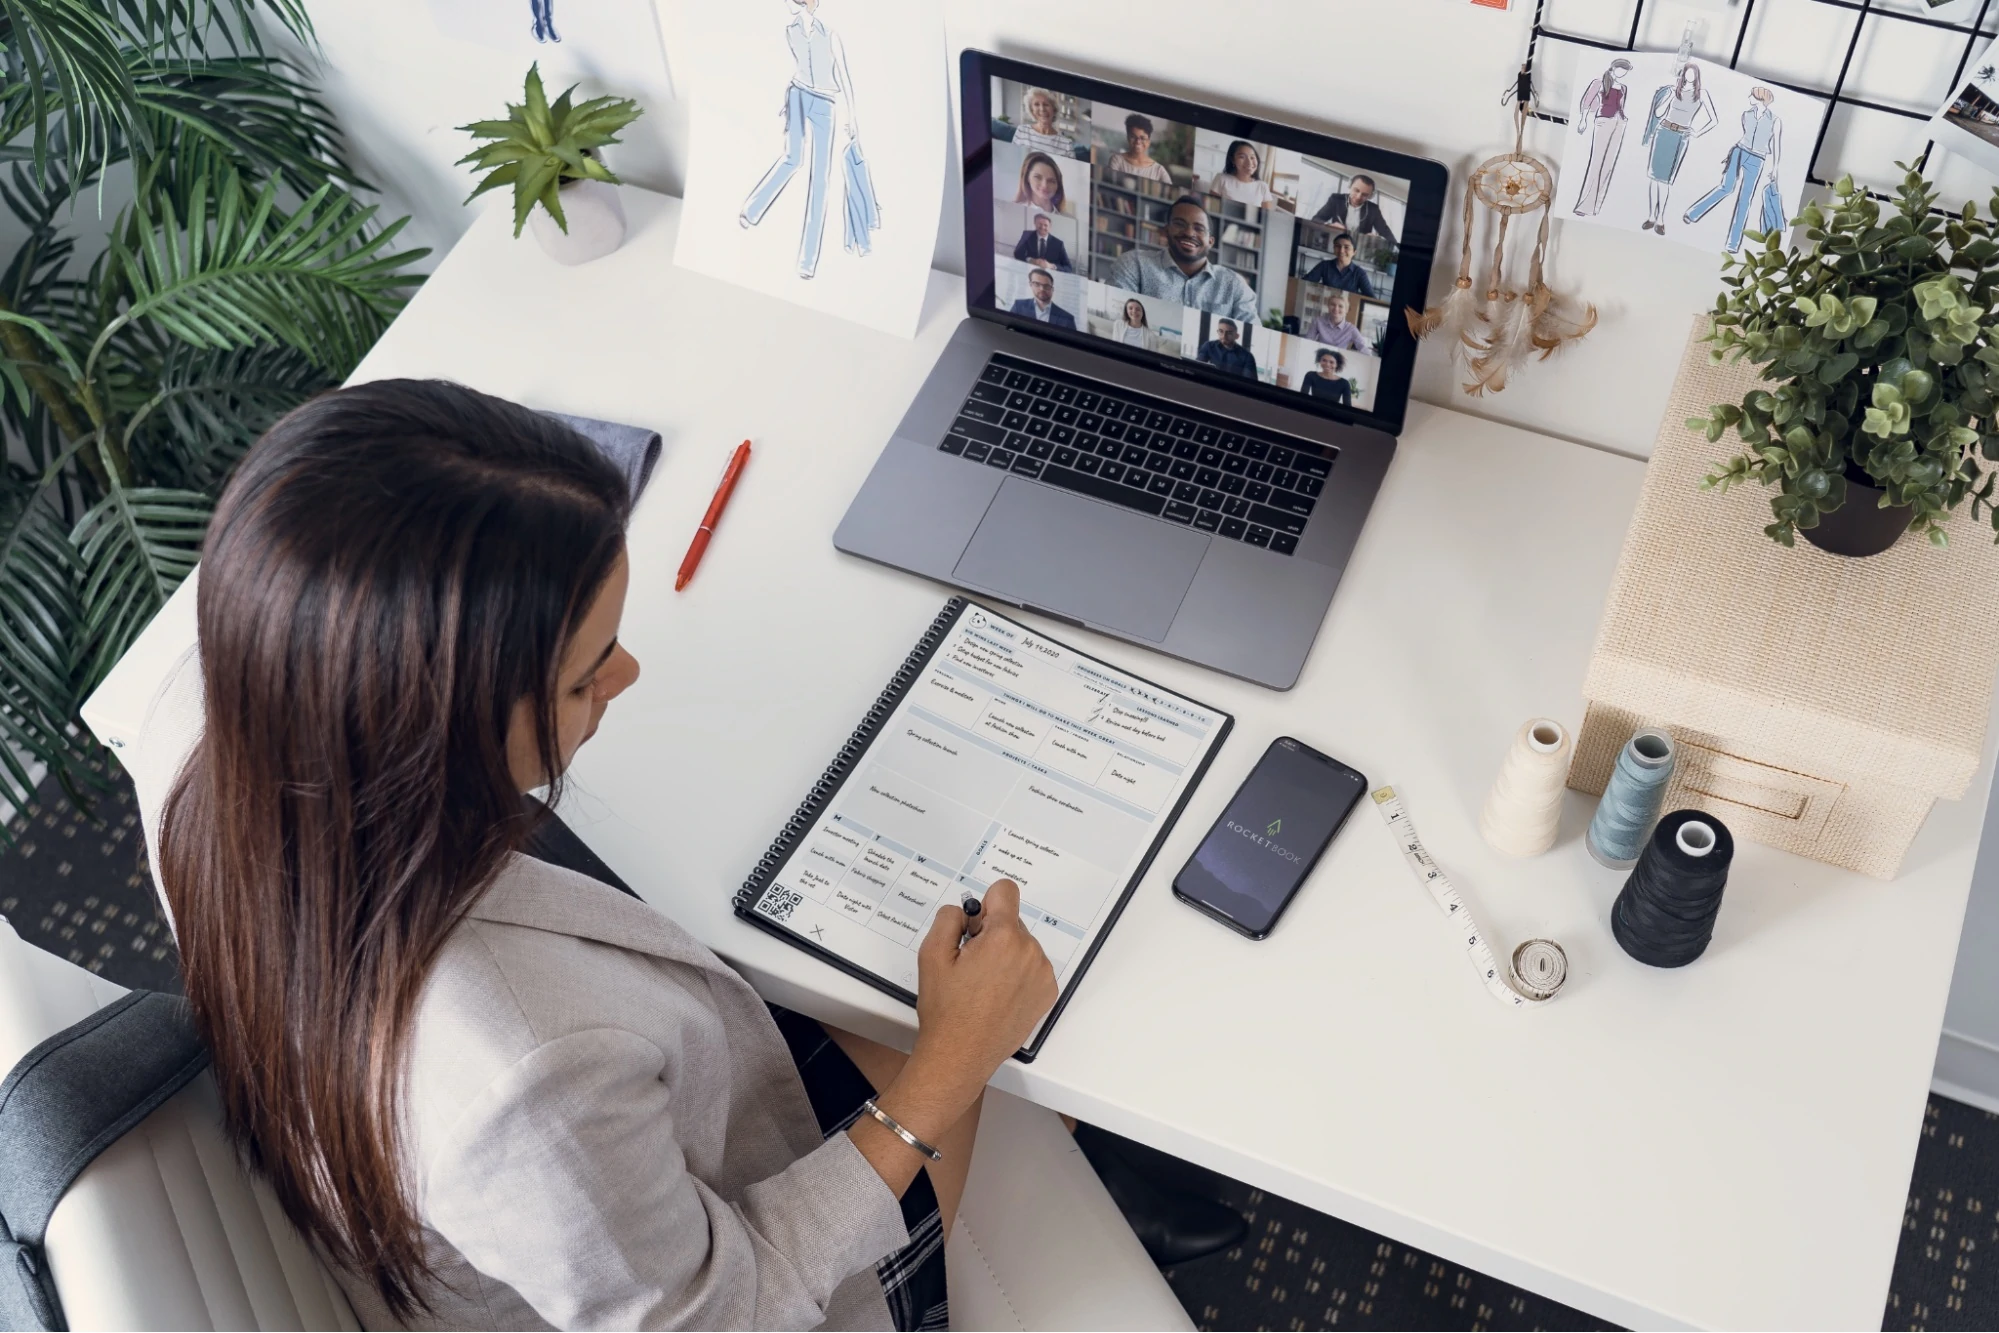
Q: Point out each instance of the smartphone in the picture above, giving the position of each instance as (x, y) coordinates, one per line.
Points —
(1277, 825)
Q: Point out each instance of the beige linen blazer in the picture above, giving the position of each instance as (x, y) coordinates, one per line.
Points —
(607, 1131)
(604, 1126)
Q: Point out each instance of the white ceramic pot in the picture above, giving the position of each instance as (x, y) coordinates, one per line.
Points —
(596, 219)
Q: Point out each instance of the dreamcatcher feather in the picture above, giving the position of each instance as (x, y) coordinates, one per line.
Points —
(1553, 327)
(1460, 322)
(1492, 330)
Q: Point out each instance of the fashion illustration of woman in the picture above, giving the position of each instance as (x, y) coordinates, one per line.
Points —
(820, 87)
(544, 20)
(1680, 114)
(1602, 110)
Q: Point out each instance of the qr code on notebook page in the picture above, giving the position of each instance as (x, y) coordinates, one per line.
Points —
(778, 903)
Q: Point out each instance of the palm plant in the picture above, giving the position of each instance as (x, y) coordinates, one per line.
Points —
(243, 277)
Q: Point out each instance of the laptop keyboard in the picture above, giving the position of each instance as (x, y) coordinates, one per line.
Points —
(1144, 453)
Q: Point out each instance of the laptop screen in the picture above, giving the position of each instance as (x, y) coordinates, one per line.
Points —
(1249, 253)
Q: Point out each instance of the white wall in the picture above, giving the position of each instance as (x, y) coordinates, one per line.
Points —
(1431, 84)
(1968, 1053)
(399, 87)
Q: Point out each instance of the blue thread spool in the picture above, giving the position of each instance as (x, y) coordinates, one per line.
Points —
(1631, 802)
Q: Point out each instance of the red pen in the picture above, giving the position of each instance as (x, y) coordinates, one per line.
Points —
(699, 545)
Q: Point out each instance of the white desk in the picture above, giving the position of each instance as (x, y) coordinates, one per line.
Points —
(1728, 1145)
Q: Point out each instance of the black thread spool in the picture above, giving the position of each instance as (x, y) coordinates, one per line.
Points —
(1664, 917)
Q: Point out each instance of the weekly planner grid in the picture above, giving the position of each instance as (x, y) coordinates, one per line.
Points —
(996, 752)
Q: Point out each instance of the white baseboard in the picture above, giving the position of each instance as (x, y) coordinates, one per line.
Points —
(1967, 1070)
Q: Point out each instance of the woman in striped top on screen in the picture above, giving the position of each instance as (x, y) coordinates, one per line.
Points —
(1039, 134)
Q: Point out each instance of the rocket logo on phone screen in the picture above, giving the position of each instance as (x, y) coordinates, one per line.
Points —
(1274, 828)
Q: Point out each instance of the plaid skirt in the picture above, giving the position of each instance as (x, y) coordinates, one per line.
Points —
(913, 1277)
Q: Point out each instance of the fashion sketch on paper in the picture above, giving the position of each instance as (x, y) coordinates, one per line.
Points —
(1749, 173)
(1681, 112)
(544, 21)
(820, 91)
(1601, 114)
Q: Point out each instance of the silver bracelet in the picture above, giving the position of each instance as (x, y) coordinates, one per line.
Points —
(889, 1123)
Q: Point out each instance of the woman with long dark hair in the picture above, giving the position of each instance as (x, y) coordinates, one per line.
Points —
(1240, 180)
(494, 1092)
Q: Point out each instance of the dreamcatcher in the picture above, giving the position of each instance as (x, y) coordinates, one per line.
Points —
(1495, 329)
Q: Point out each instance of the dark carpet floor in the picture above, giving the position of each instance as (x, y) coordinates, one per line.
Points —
(78, 886)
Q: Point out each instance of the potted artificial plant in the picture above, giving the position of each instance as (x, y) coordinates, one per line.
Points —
(549, 154)
(1878, 344)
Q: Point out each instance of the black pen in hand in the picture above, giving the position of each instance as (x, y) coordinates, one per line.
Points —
(974, 922)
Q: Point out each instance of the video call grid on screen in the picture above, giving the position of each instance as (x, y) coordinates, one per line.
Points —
(1092, 203)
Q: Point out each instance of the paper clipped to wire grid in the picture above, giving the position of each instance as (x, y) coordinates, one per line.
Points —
(1677, 148)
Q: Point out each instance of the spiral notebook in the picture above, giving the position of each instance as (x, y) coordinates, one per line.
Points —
(995, 752)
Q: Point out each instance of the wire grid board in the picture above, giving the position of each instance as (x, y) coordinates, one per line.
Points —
(1953, 34)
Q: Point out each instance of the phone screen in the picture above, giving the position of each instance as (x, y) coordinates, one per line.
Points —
(1270, 836)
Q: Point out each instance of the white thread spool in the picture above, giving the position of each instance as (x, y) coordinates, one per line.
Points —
(1695, 838)
(1524, 808)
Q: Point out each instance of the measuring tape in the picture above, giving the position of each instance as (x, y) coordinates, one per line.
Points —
(1539, 966)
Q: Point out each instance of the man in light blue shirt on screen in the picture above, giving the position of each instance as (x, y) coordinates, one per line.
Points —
(1183, 272)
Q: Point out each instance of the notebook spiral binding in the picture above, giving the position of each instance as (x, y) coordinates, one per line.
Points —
(842, 767)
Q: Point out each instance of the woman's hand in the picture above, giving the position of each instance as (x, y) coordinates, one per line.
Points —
(977, 1005)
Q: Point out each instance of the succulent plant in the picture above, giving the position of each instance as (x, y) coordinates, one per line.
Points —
(540, 146)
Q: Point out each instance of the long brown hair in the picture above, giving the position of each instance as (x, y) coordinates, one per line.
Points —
(1025, 195)
(393, 568)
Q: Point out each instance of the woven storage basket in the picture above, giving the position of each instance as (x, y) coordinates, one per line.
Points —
(1819, 703)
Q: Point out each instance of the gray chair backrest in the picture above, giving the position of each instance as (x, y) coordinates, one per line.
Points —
(164, 1228)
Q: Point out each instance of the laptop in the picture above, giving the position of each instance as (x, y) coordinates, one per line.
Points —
(1182, 373)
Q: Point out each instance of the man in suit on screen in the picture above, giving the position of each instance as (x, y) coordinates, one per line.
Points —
(1041, 306)
(1356, 211)
(1037, 247)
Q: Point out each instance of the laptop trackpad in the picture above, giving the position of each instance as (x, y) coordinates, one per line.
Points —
(1084, 559)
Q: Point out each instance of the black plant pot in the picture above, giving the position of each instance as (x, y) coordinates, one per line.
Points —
(1860, 527)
